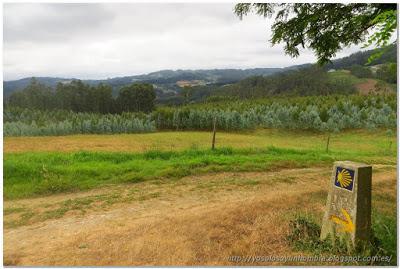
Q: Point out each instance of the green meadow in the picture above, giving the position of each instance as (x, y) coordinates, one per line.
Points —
(36, 173)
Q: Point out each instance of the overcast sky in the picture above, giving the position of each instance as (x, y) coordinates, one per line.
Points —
(107, 40)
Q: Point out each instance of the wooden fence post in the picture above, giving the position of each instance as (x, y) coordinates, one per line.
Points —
(214, 131)
(327, 142)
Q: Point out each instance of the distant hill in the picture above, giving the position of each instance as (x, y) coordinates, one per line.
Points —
(164, 80)
(15, 85)
(361, 58)
(306, 81)
(334, 78)
(169, 82)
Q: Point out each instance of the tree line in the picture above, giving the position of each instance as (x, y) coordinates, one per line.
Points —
(80, 97)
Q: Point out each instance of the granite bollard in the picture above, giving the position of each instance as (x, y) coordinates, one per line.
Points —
(348, 207)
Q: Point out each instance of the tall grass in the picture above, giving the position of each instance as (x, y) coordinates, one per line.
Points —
(305, 236)
(32, 174)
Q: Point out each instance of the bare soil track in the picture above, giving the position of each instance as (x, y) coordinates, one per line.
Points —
(197, 220)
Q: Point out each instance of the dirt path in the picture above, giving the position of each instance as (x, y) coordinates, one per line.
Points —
(369, 86)
(366, 87)
(196, 220)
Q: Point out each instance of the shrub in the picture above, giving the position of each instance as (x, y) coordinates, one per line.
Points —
(318, 113)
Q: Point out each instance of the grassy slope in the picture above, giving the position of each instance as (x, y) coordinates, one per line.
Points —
(40, 173)
(361, 84)
(345, 74)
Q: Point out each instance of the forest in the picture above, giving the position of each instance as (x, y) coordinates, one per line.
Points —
(81, 97)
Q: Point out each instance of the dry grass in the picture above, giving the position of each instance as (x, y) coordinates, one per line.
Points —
(360, 139)
(199, 220)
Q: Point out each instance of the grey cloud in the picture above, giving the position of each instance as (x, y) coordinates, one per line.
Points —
(110, 39)
(52, 22)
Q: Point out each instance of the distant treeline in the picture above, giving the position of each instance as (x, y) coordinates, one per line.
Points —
(77, 96)
(140, 97)
(385, 72)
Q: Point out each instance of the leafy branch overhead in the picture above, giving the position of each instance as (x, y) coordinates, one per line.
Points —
(326, 28)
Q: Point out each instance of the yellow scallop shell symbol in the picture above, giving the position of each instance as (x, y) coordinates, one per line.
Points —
(344, 178)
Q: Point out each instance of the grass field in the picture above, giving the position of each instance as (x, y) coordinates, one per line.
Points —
(36, 173)
(375, 141)
(166, 198)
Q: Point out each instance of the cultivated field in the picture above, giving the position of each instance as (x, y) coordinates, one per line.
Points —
(166, 199)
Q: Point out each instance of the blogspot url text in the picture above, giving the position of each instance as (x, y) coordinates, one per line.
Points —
(316, 258)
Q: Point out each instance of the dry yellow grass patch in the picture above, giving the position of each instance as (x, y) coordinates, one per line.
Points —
(198, 220)
(133, 142)
(360, 139)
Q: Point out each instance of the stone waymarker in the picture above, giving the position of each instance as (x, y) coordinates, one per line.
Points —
(348, 208)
